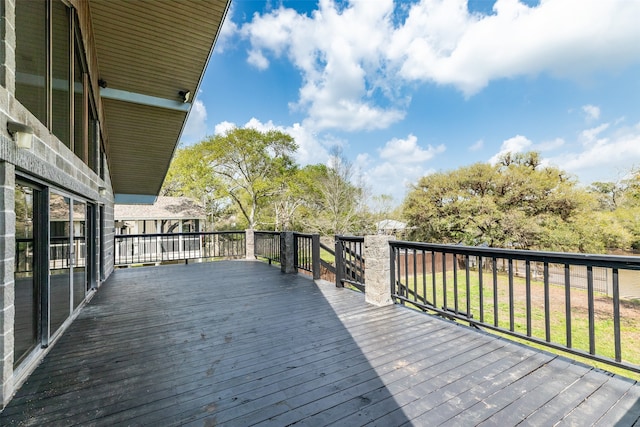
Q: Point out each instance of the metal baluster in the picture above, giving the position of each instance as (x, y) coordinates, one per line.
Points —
(567, 303)
(592, 323)
(511, 304)
(616, 315)
(547, 308)
(480, 289)
(527, 274)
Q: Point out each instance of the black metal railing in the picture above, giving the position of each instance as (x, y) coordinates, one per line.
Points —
(569, 302)
(157, 248)
(328, 267)
(350, 262)
(306, 249)
(267, 245)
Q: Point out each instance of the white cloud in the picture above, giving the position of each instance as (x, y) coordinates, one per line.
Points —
(551, 145)
(339, 52)
(442, 42)
(617, 151)
(516, 144)
(407, 151)
(592, 157)
(196, 127)
(387, 178)
(521, 144)
(590, 136)
(592, 112)
(257, 59)
(357, 63)
(400, 162)
(227, 33)
(223, 127)
(311, 149)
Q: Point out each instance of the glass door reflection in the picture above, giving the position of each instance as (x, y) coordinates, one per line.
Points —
(27, 289)
(79, 252)
(60, 255)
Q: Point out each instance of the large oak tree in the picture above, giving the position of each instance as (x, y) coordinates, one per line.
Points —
(516, 203)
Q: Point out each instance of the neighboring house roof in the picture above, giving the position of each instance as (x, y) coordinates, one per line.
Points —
(163, 208)
(391, 224)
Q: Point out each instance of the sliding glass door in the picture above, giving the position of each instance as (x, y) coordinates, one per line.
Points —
(68, 257)
(55, 262)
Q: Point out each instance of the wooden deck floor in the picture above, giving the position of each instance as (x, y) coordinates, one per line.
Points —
(238, 343)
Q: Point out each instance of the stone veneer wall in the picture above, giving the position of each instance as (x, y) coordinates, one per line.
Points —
(48, 161)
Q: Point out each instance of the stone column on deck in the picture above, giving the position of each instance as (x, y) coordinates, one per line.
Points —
(287, 253)
(377, 270)
(250, 244)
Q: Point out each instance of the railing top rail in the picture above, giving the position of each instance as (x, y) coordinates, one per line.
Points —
(612, 261)
(295, 233)
(271, 233)
(194, 233)
(350, 238)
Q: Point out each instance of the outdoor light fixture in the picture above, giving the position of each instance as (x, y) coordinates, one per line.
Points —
(22, 134)
(185, 95)
(102, 191)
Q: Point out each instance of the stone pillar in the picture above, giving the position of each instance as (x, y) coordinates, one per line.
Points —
(250, 244)
(8, 38)
(7, 288)
(287, 252)
(377, 270)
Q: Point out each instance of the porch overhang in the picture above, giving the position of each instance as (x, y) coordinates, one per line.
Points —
(150, 53)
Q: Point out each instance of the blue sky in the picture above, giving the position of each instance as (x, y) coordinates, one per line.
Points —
(407, 88)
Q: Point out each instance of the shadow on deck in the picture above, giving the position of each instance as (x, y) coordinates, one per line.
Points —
(239, 343)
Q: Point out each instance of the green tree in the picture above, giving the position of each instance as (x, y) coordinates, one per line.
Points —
(190, 175)
(609, 194)
(336, 202)
(252, 167)
(516, 203)
(627, 209)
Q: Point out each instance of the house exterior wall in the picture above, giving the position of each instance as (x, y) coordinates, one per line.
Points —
(50, 163)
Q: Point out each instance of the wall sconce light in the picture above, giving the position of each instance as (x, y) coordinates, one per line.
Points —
(185, 95)
(22, 134)
(102, 191)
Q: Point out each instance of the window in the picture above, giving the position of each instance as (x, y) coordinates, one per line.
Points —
(54, 87)
(31, 56)
(61, 72)
(93, 139)
(79, 105)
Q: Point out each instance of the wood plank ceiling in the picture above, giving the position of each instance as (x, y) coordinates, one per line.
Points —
(148, 51)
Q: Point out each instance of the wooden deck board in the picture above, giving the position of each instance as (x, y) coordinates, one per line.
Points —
(239, 343)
